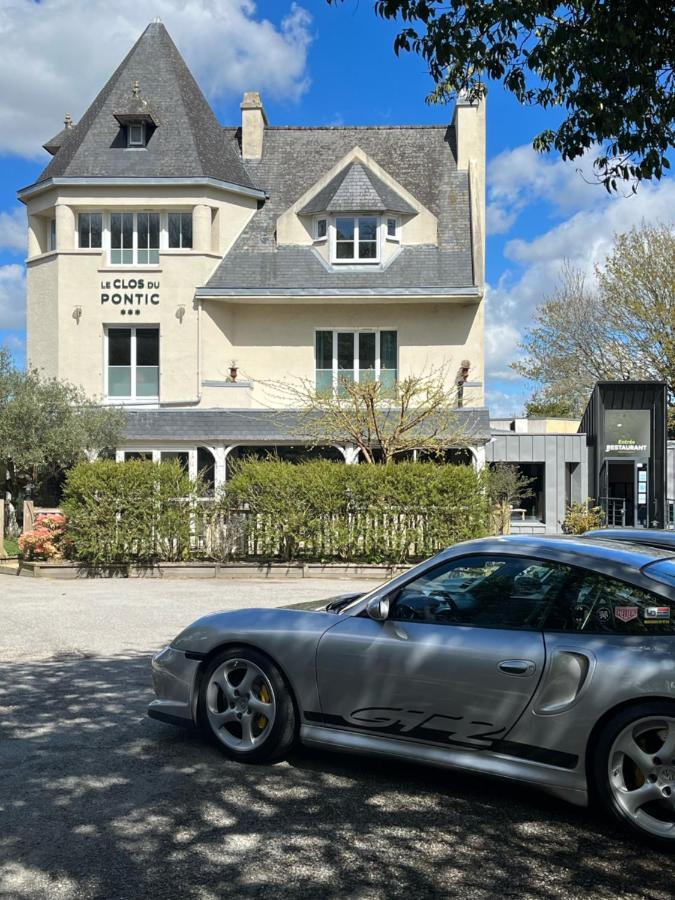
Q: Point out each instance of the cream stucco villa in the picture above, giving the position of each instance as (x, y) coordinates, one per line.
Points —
(178, 267)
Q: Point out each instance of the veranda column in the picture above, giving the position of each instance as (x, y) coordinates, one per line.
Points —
(478, 457)
(220, 467)
(193, 471)
(351, 454)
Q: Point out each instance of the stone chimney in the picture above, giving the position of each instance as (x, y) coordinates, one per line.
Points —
(469, 125)
(253, 122)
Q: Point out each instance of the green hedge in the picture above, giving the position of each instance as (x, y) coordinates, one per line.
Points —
(143, 512)
(323, 510)
(137, 510)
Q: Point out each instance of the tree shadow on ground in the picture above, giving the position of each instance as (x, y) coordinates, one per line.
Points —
(99, 801)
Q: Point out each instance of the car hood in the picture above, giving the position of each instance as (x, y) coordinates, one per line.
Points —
(329, 604)
(254, 625)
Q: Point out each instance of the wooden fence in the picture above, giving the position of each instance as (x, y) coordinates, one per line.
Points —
(362, 534)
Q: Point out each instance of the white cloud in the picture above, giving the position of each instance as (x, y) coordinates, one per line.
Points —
(13, 235)
(504, 405)
(583, 238)
(522, 177)
(56, 55)
(12, 297)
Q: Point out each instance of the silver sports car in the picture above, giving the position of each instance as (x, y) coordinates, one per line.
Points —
(549, 661)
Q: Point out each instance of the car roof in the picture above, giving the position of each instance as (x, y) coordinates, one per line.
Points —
(571, 548)
(650, 536)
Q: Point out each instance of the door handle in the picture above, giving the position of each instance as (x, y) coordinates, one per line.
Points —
(517, 667)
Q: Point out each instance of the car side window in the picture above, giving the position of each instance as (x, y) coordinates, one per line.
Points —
(484, 591)
(597, 604)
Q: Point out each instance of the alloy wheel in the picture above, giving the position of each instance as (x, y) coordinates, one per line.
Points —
(240, 704)
(642, 774)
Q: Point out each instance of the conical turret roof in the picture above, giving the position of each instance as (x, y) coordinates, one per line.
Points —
(188, 140)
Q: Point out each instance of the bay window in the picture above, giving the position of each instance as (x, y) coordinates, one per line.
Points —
(180, 230)
(132, 363)
(122, 238)
(345, 355)
(90, 230)
(148, 238)
(356, 239)
(134, 238)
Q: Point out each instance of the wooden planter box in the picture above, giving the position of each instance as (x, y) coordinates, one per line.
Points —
(67, 569)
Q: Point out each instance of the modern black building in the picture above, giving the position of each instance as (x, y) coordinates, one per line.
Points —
(617, 457)
(625, 424)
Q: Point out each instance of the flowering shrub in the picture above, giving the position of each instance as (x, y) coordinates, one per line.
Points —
(45, 540)
(581, 517)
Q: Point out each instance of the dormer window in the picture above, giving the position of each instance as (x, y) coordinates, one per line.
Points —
(392, 229)
(356, 239)
(136, 134)
(321, 229)
(136, 119)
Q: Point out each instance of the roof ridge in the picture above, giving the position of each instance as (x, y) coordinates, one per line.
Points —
(347, 127)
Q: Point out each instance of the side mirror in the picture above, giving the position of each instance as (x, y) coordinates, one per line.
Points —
(378, 608)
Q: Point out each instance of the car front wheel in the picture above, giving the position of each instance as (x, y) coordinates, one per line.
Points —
(633, 769)
(246, 706)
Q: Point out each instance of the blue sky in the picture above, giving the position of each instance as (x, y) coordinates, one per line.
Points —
(314, 64)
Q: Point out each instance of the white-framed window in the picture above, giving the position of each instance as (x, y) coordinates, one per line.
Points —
(90, 230)
(345, 355)
(136, 134)
(321, 229)
(356, 239)
(51, 235)
(179, 226)
(134, 238)
(132, 363)
(392, 228)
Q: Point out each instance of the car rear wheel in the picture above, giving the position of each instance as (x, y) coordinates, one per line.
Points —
(634, 769)
(246, 706)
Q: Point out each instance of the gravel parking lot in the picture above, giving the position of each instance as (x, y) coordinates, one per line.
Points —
(98, 801)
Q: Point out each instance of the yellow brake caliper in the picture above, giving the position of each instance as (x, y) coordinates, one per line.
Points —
(265, 697)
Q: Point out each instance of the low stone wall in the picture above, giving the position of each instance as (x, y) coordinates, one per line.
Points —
(66, 569)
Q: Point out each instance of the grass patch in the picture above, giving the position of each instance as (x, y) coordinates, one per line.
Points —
(11, 547)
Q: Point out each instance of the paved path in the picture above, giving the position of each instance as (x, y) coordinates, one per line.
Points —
(98, 801)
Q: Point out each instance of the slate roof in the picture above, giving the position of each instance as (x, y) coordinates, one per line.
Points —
(189, 141)
(250, 425)
(356, 188)
(421, 159)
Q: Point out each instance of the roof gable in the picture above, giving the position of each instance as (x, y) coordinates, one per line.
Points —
(357, 188)
(188, 142)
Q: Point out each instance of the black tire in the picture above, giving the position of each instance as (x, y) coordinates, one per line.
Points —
(283, 732)
(600, 788)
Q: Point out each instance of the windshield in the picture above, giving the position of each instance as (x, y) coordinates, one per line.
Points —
(394, 582)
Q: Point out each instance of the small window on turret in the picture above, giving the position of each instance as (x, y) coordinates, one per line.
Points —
(136, 134)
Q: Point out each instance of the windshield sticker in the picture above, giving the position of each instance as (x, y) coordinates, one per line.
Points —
(603, 615)
(580, 613)
(626, 613)
(657, 614)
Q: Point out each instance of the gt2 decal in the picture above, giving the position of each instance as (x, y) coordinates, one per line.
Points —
(423, 724)
(392, 720)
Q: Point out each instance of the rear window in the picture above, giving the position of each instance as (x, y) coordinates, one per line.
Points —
(663, 570)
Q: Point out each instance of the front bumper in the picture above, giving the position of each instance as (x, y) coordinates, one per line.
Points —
(174, 678)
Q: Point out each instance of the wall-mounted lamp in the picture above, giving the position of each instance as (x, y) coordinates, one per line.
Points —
(233, 370)
(180, 312)
(77, 313)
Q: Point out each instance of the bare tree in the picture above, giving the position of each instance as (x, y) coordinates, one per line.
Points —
(618, 325)
(418, 414)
